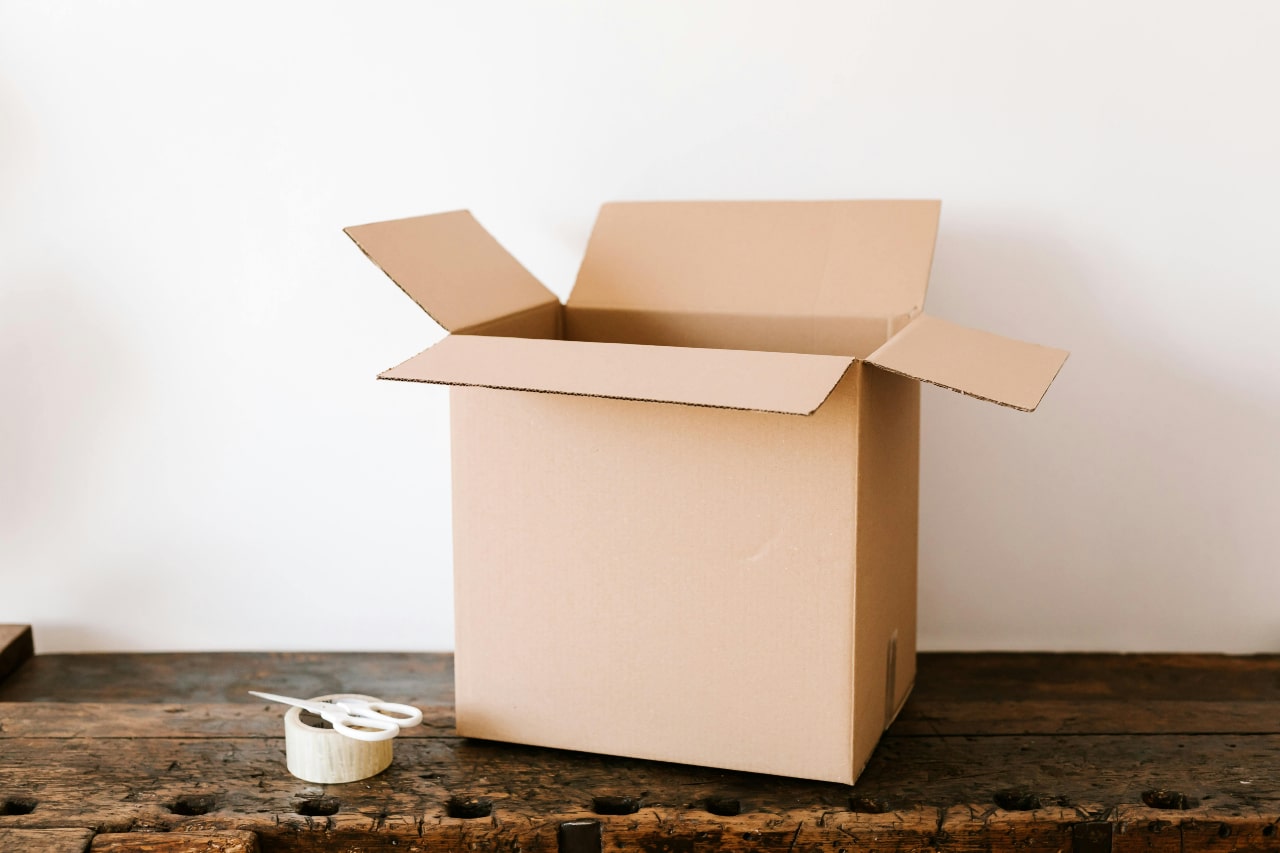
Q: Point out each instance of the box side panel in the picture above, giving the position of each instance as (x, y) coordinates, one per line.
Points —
(888, 492)
(852, 336)
(657, 581)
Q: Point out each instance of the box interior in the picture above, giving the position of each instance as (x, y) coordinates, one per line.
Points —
(811, 281)
(833, 278)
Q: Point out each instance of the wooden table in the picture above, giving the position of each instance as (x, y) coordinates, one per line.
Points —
(1008, 752)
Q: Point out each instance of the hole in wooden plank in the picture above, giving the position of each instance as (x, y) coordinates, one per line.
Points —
(615, 805)
(868, 805)
(1269, 830)
(192, 805)
(1224, 830)
(579, 836)
(319, 807)
(1161, 798)
(468, 808)
(1093, 836)
(1017, 800)
(723, 806)
(17, 805)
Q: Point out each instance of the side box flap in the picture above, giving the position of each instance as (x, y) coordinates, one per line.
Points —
(980, 364)
(820, 259)
(788, 383)
(452, 267)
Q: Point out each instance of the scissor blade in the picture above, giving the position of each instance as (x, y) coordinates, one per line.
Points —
(313, 707)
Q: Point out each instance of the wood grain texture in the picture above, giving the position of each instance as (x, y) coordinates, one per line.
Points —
(993, 753)
(228, 677)
(228, 841)
(45, 840)
(171, 720)
(16, 648)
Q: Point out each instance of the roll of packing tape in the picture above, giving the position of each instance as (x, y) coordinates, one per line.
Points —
(323, 755)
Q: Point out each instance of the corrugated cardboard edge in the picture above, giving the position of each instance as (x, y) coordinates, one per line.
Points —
(451, 267)
(971, 393)
(488, 362)
(925, 351)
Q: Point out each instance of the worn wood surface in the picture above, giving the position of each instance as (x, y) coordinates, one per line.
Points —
(226, 841)
(1081, 753)
(45, 840)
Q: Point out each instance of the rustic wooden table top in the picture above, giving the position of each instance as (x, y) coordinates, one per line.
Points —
(1084, 753)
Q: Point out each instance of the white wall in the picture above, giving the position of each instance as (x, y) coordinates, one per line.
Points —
(194, 453)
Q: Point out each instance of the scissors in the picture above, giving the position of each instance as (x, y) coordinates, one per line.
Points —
(356, 718)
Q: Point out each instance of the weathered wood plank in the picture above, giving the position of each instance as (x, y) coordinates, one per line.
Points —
(923, 718)
(958, 788)
(955, 693)
(1005, 676)
(203, 719)
(173, 720)
(985, 759)
(45, 840)
(1139, 830)
(228, 677)
(226, 841)
(16, 648)
(978, 719)
(943, 677)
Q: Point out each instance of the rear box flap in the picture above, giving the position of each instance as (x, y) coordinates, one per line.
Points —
(980, 364)
(776, 258)
(788, 383)
(452, 267)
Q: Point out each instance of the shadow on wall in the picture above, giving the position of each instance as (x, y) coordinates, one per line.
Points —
(1135, 511)
(61, 382)
(65, 375)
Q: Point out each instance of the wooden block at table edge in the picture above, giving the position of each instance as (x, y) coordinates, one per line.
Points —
(45, 840)
(225, 841)
(16, 648)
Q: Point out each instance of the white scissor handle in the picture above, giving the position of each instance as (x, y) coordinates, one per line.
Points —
(371, 728)
(404, 716)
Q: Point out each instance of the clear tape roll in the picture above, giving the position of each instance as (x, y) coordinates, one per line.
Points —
(326, 756)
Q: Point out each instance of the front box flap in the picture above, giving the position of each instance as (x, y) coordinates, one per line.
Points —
(787, 383)
(980, 364)
(452, 267)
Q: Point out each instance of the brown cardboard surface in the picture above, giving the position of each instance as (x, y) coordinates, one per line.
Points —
(819, 259)
(980, 364)
(888, 486)
(789, 383)
(452, 267)
(629, 573)
(856, 336)
(541, 321)
(664, 582)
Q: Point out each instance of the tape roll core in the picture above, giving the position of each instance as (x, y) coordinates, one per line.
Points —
(326, 756)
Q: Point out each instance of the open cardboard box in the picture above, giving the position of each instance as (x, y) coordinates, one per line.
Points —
(696, 541)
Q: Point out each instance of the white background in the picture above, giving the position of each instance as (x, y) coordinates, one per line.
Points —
(194, 453)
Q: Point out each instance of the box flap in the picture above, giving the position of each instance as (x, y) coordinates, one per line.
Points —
(787, 383)
(796, 259)
(980, 364)
(452, 267)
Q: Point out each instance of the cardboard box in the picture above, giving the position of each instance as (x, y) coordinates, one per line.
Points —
(695, 541)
